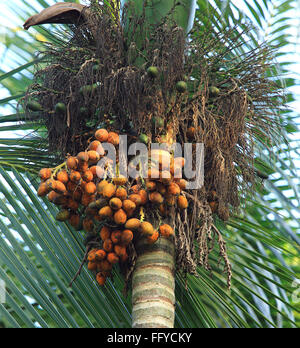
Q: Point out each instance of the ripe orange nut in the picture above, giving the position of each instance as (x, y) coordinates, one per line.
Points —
(71, 204)
(83, 166)
(166, 230)
(43, 190)
(93, 170)
(91, 255)
(182, 183)
(82, 156)
(77, 195)
(113, 138)
(52, 196)
(92, 266)
(101, 185)
(90, 188)
(191, 131)
(94, 156)
(182, 202)
(101, 135)
(87, 199)
(60, 199)
(100, 255)
(108, 190)
(115, 203)
(108, 245)
(45, 173)
(59, 187)
(72, 163)
(104, 233)
(136, 199)
(120, 180)
(62, 176)
(71, 186)
(75, 176)
(135, 188)
(88, 176)
(174, 189)
(105, 266)
(106, 212)
(129, 206)
(121, 193)
(151, 239)
(88, 225)
(146, 228)
(120, 250)
(74, 220)
(151, 185)
(161, 188)
(94, 145)
(120, 217)
(112, 258)
(126, 237)
(133, 224)
(105, 274)
(115, 237)
(144, 197)
(156, 198)
(101, 279)
(50, 184)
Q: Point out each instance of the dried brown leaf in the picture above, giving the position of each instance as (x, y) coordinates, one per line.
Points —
(61, 13)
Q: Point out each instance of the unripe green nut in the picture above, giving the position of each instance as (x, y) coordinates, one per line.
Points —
(95, 68)
(158, 122)
(60, 108)
(213, 91)
(34, 106)
(63, 215)
(181, 86)
(152, 71)
(143, 138)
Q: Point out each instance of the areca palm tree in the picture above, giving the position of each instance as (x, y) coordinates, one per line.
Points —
(39, 257)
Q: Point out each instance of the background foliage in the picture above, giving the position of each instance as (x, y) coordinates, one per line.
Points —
(38, 257)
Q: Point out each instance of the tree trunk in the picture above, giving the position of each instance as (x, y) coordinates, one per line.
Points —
(153, 285)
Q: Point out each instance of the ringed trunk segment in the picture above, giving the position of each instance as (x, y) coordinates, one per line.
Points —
(153, 285)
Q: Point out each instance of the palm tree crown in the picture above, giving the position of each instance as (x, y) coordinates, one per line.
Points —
(39, 257)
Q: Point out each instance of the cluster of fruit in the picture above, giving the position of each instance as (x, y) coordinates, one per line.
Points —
(115, 242)
(115, 206)
(72, 185)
